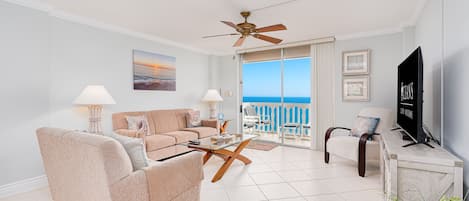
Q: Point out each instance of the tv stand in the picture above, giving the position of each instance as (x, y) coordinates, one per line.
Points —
(408, 138)
(415, 143)
(416, 171)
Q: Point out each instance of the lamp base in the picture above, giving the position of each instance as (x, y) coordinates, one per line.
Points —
(95, 119)
(212, 106)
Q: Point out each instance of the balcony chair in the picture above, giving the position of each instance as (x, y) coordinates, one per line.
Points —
(358, 149)
(253, 120)
(289, 126)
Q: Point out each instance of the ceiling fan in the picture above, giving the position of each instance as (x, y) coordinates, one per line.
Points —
(246, 29)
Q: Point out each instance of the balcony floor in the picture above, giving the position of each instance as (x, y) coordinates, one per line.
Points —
(290, 139)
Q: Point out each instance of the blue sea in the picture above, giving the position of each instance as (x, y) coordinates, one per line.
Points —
(252, 99)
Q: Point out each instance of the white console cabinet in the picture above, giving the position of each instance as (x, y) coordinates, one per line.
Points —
(418, 173)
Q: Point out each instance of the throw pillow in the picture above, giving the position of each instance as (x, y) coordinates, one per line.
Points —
(138, 123)
(364, 125)
(135, 149)
(193, 119)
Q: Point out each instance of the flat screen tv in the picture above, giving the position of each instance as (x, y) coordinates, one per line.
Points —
(410, 96)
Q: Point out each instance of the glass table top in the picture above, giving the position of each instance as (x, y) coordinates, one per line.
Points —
(220, 142)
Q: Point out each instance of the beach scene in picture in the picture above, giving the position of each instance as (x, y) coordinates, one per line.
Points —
(154, 71)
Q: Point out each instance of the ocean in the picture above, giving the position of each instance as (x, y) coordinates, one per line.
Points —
(253, 99)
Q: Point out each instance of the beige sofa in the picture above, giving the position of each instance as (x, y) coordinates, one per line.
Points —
(167, 130)
(82, 166)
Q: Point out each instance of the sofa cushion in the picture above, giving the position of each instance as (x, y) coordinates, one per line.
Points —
(168, 120)
(181, 136)
(203, 132)
(135, 149)
(155, 142)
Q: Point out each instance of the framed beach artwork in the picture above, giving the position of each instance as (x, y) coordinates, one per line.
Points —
(153, 71)
(356, 88)
(356, 62)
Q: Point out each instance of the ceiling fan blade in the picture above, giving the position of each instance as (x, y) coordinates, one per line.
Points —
(277, 27)
(230, 34)
(240, 41)
(267, 38)
(231, 24)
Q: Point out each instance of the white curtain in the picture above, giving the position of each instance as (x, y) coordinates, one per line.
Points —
(323, 90)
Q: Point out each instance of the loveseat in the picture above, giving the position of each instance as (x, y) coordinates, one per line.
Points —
(88, 167)
(167, 129)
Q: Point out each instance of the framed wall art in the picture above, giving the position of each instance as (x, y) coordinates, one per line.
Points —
(152, 71)
(356, 88)
(356, 62)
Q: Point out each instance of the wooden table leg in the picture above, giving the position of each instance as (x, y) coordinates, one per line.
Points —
(207, 156)
(232, 156)
(227, 153)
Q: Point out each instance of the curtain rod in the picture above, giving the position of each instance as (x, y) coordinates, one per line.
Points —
(285, 45)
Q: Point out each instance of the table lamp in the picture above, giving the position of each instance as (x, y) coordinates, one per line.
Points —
(94, 96)
(212, 97)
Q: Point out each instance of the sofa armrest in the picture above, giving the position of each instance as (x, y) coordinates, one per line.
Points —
(179, 175)
(210, 123)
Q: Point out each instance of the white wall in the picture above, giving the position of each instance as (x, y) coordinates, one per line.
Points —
(428, 33)
(456, 80)
(82, 55)
(24, 85)
(386, 55)
(444, 28)
(46, 62)
(228, 74)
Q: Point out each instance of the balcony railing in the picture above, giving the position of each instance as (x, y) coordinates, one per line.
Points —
(273, 118)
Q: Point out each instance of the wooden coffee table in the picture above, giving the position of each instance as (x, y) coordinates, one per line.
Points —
(218, 148)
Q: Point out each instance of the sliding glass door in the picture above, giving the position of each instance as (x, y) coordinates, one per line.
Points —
(276, 88)
(296, 101)
(262, 94)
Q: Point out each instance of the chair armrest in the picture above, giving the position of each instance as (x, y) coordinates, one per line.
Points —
(173, 177)
(332, 129)
(210, 123)
(329, 134)
(362, 154)
(132, 187)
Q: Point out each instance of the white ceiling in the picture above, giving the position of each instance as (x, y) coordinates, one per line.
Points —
(186, 21)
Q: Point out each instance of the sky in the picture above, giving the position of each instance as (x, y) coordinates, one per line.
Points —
(263, 79)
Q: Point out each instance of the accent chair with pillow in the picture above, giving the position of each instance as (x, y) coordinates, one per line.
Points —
(166, 129)
(360, 143)
(88, 167)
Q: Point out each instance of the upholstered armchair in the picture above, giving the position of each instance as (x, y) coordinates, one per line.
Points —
(358, 149)
(82, 166)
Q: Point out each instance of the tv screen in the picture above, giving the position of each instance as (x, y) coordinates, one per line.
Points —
(410, 96)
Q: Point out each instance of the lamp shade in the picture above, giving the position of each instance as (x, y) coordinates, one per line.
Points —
(94, 95)
(212, 95)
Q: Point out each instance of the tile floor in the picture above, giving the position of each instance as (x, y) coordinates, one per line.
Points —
(287, 174)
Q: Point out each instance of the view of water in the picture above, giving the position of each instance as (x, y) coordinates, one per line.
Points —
(251, 99)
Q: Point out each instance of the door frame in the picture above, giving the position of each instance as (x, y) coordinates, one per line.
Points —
(312, 106)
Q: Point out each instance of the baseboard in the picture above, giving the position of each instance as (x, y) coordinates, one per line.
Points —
(23, 186)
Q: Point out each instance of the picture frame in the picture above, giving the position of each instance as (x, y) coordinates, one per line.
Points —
(356, 88)
(153, 71)
(356, 62)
